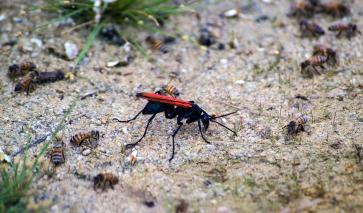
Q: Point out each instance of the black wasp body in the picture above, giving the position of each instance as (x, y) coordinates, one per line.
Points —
(191, 113)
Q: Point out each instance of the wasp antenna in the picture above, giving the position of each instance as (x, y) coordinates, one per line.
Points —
(212, 118)
(225, 127)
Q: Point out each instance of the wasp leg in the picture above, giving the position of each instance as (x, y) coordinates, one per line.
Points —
(137, 115)
(201, 133)
(131, 145)
(174, 134)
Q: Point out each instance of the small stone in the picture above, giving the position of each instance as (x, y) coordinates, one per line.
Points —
(37, 42)
(239, 82)
(86, 152)
(2, 17)
(223, 209)
(233, 13)
(112, 63)
(71, 50)
(104, 120)
(224, 61)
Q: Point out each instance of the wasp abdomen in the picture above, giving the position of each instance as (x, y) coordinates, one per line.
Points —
(46, 77)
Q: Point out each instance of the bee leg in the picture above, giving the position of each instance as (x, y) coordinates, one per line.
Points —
(174, 134)
(111, 185)
(28, 88)
(339, 34)
(300, 128)
(316, 71)
(131, 145)
(201, 133)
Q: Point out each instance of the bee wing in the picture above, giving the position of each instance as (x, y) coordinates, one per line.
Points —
(164, 99)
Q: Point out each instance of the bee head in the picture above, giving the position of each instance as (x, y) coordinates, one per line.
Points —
(303, 22)
(149, 39)
(13, 68)
(18, 87)
(304, 64)
(353, 27)
(98, 178)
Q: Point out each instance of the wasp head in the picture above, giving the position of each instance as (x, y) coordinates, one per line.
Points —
(205, 120)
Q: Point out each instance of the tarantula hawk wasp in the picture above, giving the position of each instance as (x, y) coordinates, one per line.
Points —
(175, 108)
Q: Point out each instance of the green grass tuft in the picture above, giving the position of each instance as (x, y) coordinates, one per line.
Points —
(147, 15)
(16, 179)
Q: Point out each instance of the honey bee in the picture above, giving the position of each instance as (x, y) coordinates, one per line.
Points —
(156, 44)
(309, 67)
(349, 30)
(303, 8)
(26, 84)
(17, 70)
(57, 154)
(323, 50)
(103, 180)
(46, 77)
(86, 138)
(297, 125)
(310, 29)
(168, 90)
(334, 8)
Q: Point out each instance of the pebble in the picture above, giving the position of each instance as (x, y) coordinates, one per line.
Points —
(223, 209)
(233, 13)
(112, 63)
(2, 17)
(37, 42)
(71, 50)
(86, 152)
(239, 82)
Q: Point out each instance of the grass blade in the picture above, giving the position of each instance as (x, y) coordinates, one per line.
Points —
(90, 39)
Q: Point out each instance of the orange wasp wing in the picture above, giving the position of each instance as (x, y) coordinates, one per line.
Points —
(164, 99)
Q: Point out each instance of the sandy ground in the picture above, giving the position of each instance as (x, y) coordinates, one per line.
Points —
(259, 170)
